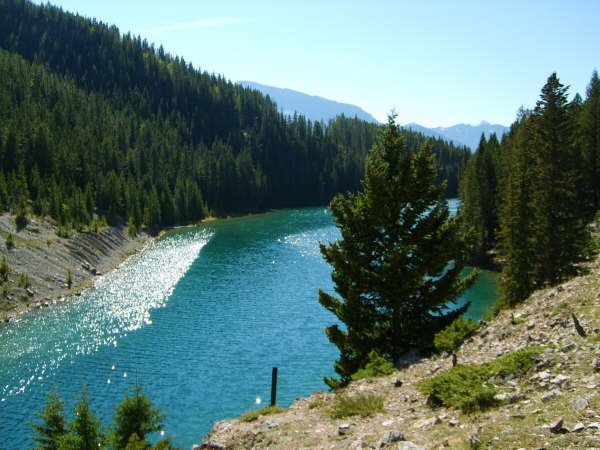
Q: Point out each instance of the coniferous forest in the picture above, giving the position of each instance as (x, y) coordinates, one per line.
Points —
(528, 198)
(100, 126)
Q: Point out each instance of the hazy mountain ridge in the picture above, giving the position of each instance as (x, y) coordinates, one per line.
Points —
(313, 107)
(461, 134)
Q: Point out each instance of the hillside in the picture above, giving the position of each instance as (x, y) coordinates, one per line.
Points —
(108, 125)
(554, 404)
(48, 261)
(313, 107)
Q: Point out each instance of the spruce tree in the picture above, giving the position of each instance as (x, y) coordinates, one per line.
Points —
(558, 228)
(590, 140)
(135, 415)
(398, 264)
(53, 426)
(84, 433)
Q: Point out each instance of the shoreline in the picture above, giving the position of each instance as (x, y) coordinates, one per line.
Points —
(48, 262)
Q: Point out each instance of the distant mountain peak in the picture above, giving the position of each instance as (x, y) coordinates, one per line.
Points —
(461, 134)
(313, 107)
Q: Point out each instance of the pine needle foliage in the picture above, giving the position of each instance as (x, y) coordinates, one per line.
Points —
(398, 263)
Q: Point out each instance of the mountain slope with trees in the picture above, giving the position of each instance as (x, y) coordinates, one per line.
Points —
(99, 125)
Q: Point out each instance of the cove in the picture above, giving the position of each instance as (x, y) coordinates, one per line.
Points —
(199, 318)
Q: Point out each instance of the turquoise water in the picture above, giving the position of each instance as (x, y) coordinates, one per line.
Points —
(199, 318)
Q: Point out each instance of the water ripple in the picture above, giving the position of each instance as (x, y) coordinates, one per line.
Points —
(120, 302)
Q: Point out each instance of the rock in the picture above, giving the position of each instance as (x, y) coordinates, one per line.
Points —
(393, 436)
(427, 422)
(435, 369)
(407, 445)
(578, 427)
(557, 427)
(544, 375)
(343, 429)
(453, 422)
(580, 403)
(387, 423)
(595, 425)
(568, 347)
(596, 365)
(501, 397)
(396, 382)
(271, 424)
(474, 441)
(210, 444)
(550, 395)
(559, 379)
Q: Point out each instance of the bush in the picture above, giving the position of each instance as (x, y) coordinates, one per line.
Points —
(4, 269)
(266, 411)
(357, 405)
(10, 243)
(467, 387)
(21, 219)
(24, 281)
(451, 338)
(376, 367)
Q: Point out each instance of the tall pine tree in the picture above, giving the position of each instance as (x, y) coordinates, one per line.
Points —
(558, 228)
(399, 261)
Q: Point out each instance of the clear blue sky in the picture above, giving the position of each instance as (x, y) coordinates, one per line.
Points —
(436, 63)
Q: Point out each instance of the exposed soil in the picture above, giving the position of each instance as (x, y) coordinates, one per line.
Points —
(48, 261)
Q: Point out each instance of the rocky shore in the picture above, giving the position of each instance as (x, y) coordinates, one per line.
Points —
(44, 268)
(555, 405)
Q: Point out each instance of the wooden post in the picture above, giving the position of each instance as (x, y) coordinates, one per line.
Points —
(274, 386)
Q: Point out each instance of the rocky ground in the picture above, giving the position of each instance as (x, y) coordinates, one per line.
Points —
(556, 405)
(40, 262)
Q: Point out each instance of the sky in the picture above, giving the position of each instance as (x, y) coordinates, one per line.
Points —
(436, 63)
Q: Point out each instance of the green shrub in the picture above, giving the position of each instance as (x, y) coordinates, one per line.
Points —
(356, 405)
(266, 411)
(376, 367)
(24, 280)
(10, 243)
(467, 387)
(451, 338)
(4, 269)
(21, 219)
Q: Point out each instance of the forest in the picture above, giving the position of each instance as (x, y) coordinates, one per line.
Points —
(528, 198)
(98, 126)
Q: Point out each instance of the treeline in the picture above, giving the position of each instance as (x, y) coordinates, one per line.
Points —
(95, 124)
(530, 195)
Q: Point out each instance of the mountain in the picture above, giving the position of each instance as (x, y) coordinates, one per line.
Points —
(313, 107)
(461, 134)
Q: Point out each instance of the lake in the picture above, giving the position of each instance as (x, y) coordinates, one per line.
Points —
(199, 318)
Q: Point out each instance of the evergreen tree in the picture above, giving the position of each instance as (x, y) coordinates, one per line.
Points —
(399, 262)
(558, 228)
(53, 425)
(135, 415)
(589, 127)
(479, 192)
(84, 431)
(515, 218)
